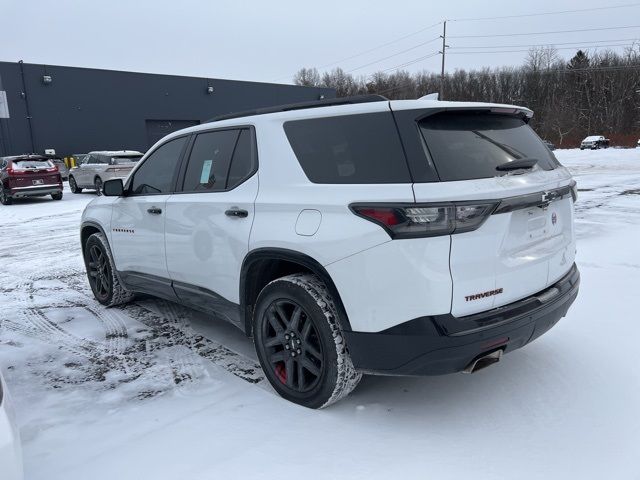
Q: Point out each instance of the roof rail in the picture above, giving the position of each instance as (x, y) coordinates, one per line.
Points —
(300, 106)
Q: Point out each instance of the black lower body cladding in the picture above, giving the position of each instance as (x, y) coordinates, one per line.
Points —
(423, 347)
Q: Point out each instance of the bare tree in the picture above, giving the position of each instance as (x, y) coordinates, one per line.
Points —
(308, 77)
(541, 58)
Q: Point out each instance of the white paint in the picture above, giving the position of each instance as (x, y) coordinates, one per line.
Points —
(308, 222)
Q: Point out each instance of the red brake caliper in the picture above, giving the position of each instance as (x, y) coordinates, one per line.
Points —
(281, 372)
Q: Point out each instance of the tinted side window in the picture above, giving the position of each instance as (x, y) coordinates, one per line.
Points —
(156, 174)
(244, 160)
(209, 161)
(349, 149)
(470, 145)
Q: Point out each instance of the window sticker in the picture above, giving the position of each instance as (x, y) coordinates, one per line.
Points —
(206, 171)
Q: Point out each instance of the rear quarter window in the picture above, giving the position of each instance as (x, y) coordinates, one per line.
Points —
(349, 149)
(470, 145)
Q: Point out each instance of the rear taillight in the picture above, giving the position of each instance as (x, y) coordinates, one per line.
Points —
(52, 169)
(428, 220)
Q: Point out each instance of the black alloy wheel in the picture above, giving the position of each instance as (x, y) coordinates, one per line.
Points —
(292, 344)
(299, 342)
(99, 271)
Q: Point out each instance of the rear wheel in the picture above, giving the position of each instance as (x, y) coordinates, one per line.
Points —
(4, 198)
(299, 342)
(74, 186)
(57, 196)
(97, 184)
(101, 272)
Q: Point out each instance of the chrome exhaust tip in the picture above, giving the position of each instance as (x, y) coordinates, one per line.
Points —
(483, 361)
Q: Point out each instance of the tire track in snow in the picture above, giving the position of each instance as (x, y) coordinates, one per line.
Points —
(172, 319)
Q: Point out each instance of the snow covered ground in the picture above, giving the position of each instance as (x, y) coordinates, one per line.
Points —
(156, 391)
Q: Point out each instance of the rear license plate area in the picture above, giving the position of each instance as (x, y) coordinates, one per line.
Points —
(38, 182)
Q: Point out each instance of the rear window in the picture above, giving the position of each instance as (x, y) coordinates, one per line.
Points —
(26, 164)
(470, 145)
(349, 149)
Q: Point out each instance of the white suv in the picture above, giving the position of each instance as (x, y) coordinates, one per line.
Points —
(98, 167)
(349, 236)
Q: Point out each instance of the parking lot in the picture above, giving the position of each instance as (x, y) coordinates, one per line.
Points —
(155, 390)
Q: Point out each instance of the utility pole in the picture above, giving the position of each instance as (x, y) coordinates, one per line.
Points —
(444, 49)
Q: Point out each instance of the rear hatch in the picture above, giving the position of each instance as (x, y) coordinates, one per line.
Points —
(527, 241)
(121, 165)
(33, 173)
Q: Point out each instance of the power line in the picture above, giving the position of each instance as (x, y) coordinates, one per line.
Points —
(561, 48)
(394, 55)
(561, 12)
(411, 62)
(381, 46)
(544, 33)
(373, 49)
(546, 44)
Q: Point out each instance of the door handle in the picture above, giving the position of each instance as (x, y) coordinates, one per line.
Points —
(236, 212)
(154, 210)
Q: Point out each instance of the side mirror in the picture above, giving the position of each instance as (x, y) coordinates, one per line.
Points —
(113, 188)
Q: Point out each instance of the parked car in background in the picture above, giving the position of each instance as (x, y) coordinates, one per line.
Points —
(352, 252)
(10, 448)
(549, 145)
(98, 167)
(28, 176)
(594, 142)
(62, 166)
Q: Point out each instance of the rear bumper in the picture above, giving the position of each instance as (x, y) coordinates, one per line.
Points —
(35, 191)
(422, 347)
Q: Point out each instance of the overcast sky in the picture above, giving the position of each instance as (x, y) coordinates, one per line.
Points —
(270, 40)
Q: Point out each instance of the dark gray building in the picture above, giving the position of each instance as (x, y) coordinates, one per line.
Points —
(75, 110)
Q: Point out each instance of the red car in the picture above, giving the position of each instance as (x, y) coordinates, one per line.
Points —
(28, 176)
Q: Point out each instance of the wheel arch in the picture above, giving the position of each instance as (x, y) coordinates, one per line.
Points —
(87, 229)
(264, 265)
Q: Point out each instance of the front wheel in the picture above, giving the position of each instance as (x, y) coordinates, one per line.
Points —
(74, 186)
(102, 274)
(299, 342)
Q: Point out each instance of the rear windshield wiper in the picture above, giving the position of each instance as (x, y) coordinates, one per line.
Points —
(517, 164)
